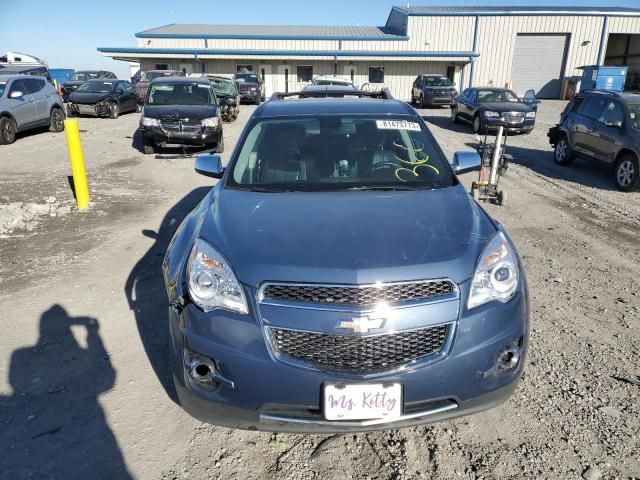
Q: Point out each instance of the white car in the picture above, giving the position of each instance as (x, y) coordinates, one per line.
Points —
(333, 80)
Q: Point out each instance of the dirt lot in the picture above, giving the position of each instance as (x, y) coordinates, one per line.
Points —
(84, 387)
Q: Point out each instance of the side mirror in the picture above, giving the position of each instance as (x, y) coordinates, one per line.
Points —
(16, 94)
(464, 162)
(209, 165)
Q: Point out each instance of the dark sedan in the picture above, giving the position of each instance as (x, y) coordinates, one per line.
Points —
(181, 111)
(485, 108)
(103, 98)
(80, 77)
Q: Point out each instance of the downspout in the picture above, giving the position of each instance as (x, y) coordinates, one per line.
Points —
(603, 39)
(474, 50)
(335, 59)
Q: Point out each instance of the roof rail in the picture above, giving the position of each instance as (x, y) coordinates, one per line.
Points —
(384, 94)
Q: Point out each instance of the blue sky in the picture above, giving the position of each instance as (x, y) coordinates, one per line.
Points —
(66, 34)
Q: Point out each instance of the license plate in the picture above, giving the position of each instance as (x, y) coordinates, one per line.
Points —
(365, 401)
(87, 109)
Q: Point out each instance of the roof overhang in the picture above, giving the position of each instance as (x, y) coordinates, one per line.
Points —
(221, 36)
(128, 53)
(521, 11)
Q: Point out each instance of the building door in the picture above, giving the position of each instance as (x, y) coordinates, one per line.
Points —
(451, 73)
(187, 68)
(548, 54)
(284, 78)
(268, 78)
(350, 72)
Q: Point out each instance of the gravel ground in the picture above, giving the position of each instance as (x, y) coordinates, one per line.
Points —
(84, 389)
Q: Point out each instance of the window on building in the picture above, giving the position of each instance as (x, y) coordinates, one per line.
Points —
(376, 74)
(244, 68)
(162, 66)
(305, 73)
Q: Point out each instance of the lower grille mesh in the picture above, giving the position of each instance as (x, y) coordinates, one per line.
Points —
(354, 354)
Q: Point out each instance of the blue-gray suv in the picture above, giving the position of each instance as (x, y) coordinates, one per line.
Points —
(28, 102)
(339, 277)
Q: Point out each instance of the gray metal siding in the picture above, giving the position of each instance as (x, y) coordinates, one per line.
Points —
(538, 63)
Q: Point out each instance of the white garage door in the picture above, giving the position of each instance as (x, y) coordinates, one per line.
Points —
(538, 64)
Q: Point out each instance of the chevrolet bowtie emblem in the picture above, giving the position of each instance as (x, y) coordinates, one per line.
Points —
(361, 324)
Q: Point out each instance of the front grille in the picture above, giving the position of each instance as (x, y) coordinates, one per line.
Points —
(513, 117)
(358, 295)
(355, 354)
(181, 126)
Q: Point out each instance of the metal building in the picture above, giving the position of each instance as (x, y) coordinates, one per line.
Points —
(520, 47)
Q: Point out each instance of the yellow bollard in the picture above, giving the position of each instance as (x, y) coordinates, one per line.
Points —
(77, 162)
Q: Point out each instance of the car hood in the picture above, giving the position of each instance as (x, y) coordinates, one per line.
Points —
(196, 112)
(87, 97)
(247, 84)
(354, 237)
(506, 107)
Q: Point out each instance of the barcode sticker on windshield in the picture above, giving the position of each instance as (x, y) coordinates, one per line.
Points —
(397, 125)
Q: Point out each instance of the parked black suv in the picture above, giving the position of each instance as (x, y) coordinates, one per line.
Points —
(250, 86)
(483, 107)
(603, 127)
(433, 90)
(183, 111)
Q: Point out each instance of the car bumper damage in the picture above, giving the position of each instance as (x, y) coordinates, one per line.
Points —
(100, 109)
(237, 376)
(169, 136)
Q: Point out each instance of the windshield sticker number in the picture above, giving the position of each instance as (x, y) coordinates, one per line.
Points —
(397, 125)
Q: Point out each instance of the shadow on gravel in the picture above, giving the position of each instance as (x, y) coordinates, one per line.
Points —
(53, 425)
(446, 123)
(146, 293)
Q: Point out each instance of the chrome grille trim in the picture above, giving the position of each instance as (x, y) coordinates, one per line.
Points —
(326, 296)
(360, 354)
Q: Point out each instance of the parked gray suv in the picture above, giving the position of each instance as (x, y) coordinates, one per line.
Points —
(603, 127)
(28, 102)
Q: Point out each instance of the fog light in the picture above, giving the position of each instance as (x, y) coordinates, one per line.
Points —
(507, 359)
(201, 369)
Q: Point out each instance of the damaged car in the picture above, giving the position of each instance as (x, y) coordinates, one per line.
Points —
(228, 97)
(181, 111)
(339, 277)
(103, 98)
(81, 76)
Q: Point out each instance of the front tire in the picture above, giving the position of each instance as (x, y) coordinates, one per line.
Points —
(220, 146)
(56, 121)
(114, 110)
(454, 115)
(478, 127)
(148, 146)
(562, 154)
(8, 130)
(422, 105)
(627, 173)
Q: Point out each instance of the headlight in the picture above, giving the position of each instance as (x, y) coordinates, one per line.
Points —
(231, 101)
(212, 283)
(253, 89)
(496, 276)
(531, 115)
(211, 122)
(491, 114)
(149, 122)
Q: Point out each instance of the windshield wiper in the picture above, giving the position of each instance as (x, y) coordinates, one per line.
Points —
(386, 188)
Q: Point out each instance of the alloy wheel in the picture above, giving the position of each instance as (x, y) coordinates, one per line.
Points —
(625, 173)
(8, 132)
(454, 114)
(58, 120)
(561, 151)
(476, 124)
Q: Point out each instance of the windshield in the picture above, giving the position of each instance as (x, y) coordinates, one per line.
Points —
(436, 81)
(148, 76)
(84, 76)
(488, 96)
(246, 77)
(339, 153)
(3, 85)
(96, 87)
(223, 87)
(181, 94)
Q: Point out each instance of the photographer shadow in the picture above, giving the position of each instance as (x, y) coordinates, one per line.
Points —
(53, 426)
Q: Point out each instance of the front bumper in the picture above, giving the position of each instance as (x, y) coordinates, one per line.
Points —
(97, 110)
(252, 96)
(259, 392)
(520, 127)
(204, 136)
(435, 99)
